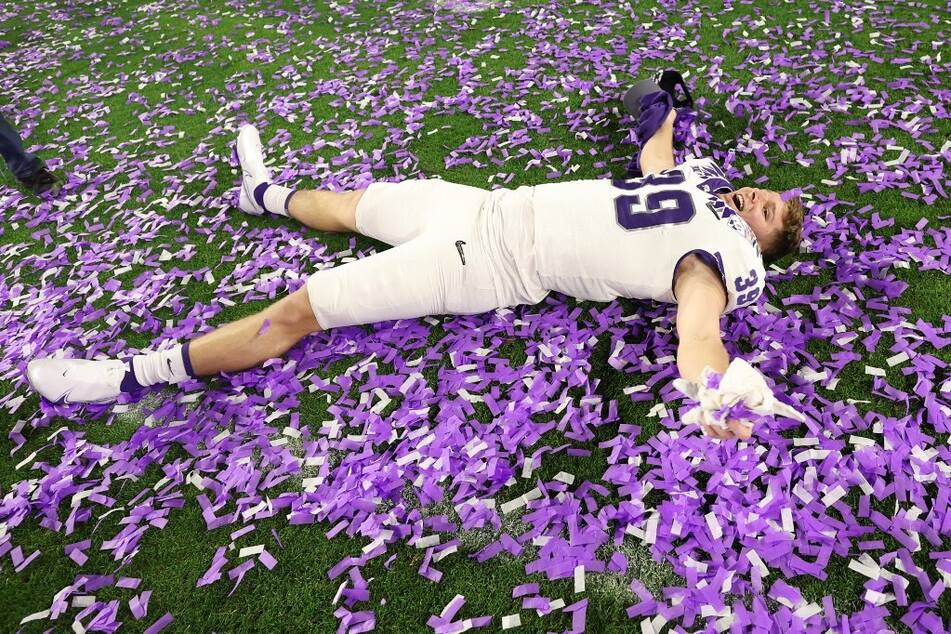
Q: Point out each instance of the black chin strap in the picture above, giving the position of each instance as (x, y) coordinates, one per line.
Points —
(668, 82)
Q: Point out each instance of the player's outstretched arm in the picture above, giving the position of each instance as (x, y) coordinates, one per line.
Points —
(701, 299)
(658, 153)
(700, 302)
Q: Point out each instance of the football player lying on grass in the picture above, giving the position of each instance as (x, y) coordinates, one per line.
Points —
(677, 234)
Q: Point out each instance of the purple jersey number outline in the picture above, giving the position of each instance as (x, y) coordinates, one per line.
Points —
(631, 219)
(743, 285)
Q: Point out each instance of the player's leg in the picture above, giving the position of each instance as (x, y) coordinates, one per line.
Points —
(393, 213)
(396, 213)
(251, 341)
(447, 269)
(321, 210)
(235, 346)
(421, 277)
(407, 281)
(325, 210)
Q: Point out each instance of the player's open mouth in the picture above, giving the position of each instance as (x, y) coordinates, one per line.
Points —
(738, 201)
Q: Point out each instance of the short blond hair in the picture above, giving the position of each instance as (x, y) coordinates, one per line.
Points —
(787, 239)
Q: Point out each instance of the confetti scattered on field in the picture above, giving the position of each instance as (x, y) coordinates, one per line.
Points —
(549, 434)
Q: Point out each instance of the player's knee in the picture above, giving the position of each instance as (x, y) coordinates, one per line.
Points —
(295, 314)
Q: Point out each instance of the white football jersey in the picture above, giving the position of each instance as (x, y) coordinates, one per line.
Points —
(602, 239)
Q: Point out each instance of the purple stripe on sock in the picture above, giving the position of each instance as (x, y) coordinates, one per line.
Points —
(187, 360)
(287, 202)
(129, 384)
(259, 194)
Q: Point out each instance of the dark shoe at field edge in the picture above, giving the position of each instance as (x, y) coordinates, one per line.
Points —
(42, 181)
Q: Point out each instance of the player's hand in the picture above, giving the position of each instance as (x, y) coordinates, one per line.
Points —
(734, 429)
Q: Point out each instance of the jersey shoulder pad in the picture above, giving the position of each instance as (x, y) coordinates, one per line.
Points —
(705, 174)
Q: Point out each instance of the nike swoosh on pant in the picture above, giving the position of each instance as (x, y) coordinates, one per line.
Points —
(462, 256)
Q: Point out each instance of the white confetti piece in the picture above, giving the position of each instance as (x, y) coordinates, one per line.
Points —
(812, 376)
(873, 371)
(442, 554)
(511, 505)
(248, 551)
(310, 484)
(878, 598)
(650, 533)
(426, 542)
(339, 592)
(83, 601)
(36, 616)
(901, 357)
(534, 494)
(833, 496)
(26, 460)
(412, 456)
(658, 410)
(808, 610)
(754, 558)
(376, 543)
(527, 467)
(865, 570)
(579, 579)
(786, 514)
(510, 621)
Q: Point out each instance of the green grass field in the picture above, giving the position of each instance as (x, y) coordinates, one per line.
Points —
(127, 93)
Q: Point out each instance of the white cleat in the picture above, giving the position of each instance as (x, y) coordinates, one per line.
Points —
(76, 380)
(253, 171)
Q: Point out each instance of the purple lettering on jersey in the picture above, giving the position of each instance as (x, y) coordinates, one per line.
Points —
(671, 206)
(712, 178)
(719, 208)
(663, 207)
(750, 285)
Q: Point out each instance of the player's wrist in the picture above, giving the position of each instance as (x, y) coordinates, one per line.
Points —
(739, 396)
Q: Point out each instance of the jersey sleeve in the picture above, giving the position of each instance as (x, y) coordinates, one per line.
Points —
(739, 265)
(743, 274)
(706, 175)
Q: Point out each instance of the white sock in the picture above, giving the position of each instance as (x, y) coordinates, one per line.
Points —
(165, 366)
(273, 197)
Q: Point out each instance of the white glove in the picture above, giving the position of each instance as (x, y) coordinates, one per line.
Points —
(740, 384)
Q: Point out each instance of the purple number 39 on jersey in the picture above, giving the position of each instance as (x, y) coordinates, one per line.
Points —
(663, 207)
(749, 285)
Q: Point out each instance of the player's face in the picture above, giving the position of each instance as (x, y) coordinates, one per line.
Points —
(762, 209)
